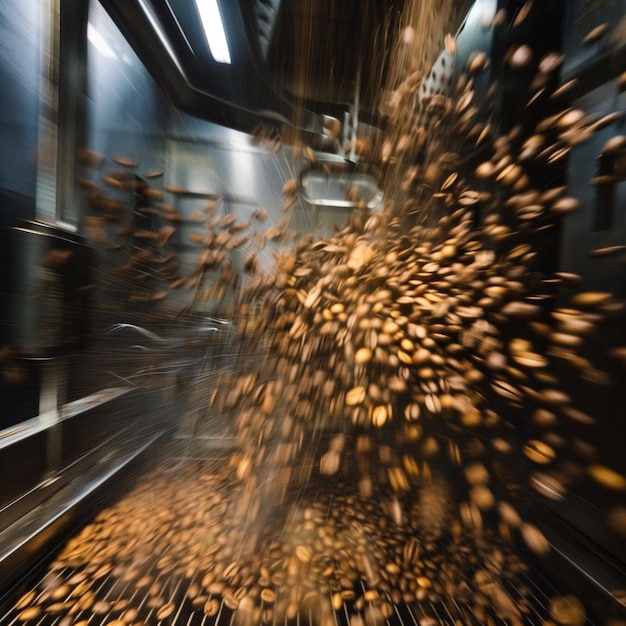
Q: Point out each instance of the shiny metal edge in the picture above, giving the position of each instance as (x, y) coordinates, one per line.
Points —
(32, 426)
(17, 539)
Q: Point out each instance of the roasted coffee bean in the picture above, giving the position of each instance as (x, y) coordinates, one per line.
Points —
(567, 610)
(596, 34)
(268, 596)
(101, 606)
(25, 600)
(165, 611)
(607, 477)
(211, 607)
(29, 614)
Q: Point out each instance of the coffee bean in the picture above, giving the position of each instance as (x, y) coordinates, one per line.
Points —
(596, 34)
(535, 539)
(607, 477)
(355, 396)
(29, 614)
(211, 607)
(100, 607)
(539, 452)
(591, 298)
(567, 610)
(25, 600)
(155, 602)
(165, 611)
(268, 596)
(129, 616)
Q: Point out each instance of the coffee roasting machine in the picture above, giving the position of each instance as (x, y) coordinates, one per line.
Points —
(125, 125)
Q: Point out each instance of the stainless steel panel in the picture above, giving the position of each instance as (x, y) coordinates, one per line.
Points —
(126, 112)
(27, 543)
(606, 52)
(581, 231)
(90, 434)
(586, 508)
(20, 32)
(52, 303)
(19, 392)
(476, 34)
(71, 110)
(247, 175)
(206, 157)
(22, 470)
(125, 115)
(93, 430)
(20, 73)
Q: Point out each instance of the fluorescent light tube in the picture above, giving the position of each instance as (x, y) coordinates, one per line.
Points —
(214, 29)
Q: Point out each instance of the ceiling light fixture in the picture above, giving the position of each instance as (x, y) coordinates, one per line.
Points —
(214, 29)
